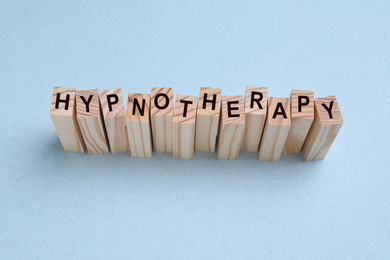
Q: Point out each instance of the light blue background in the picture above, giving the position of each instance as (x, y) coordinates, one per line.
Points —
(59, 205)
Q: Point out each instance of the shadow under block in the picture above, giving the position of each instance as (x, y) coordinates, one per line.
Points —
(138, 125)
(326, 125)
(302, 116)
(231, 128)
(276, 129)
(183, 126)
(161, 116)
(90, 121)
(63, 115)
(207, 119)
(114, 118)
(255, 114)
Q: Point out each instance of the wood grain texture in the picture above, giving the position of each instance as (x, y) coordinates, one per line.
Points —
(138, 126)
(255, 116)
(231, 128)
(183, 125)
(324, 129)
(275, 130)
(65, 120)
(162, 120)
(115, 121)
(301, 119)
(207, 120)
(90, 120)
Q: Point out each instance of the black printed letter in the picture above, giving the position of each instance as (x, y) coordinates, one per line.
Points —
(166, 101)
(66, 101)
(282, 112)
(86, 102)
(136, 104)
(230, 108)
(301, 104)
(257, 100)
(213, 101)
(185, 102)
(110, 103)
(329, 109)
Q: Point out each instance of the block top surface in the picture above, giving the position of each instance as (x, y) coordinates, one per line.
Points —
(324, 115)
(118, 108)
(208, 110)
(276, 106)
(240, 111)
(136, 115)
(255, 107)
(94, 104)
(161, 101)
(61, 111)
(307, 111)
(178, 115)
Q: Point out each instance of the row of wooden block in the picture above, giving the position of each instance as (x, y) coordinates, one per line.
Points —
(258, 123)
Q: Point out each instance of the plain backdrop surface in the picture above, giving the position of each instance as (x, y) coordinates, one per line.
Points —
(59, 205)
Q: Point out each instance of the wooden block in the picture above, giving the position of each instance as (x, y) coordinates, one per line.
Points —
(114, 118)
(231, 127)
(207, 119)
(183, 126)
(302, 115)
(276, 129)
(326, 125)
(90, 120)
(161, 116)
(138, 125)
(255, 114)
(63, 115)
